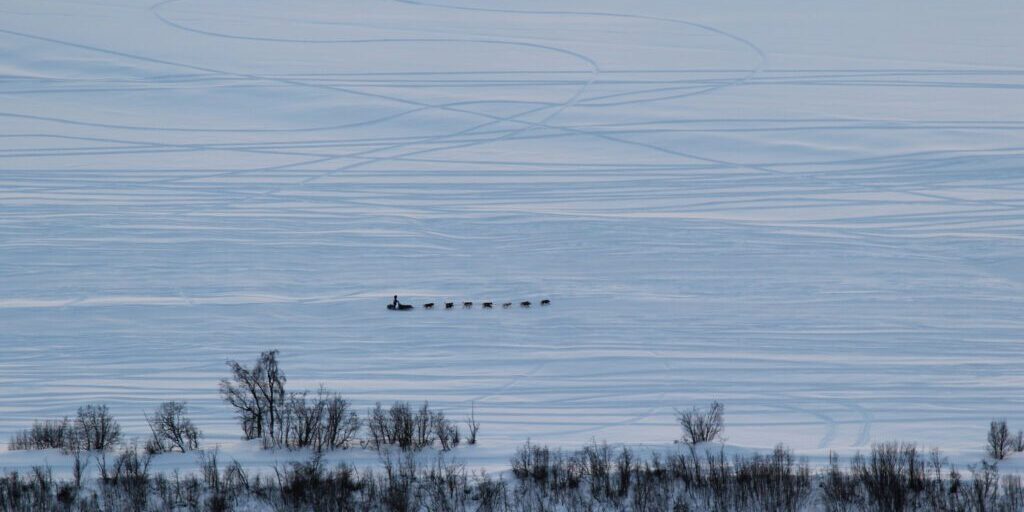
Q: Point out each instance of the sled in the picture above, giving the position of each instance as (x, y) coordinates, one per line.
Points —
(401, 307)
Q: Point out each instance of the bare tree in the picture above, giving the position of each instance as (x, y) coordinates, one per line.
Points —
(271, 388)
(46, 434)
(323, 422)
(96, 427)
(423, 427)
(472, 424)
(301, 421)
(172, 429)
(700, 426)
(403, 427)
(78, 467)
(999, 441)
(379, 427)
(258, 396)
(447, 433)
(241, 393)
(340, 424)
(409, 430)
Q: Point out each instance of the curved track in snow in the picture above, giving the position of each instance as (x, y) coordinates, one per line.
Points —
(806, 238)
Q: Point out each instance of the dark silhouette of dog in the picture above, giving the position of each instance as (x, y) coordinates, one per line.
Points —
(429, 305)
(545, 302)
(525, 304)
(488, 305)
(467, 305)
(449, 305)
(506, 305)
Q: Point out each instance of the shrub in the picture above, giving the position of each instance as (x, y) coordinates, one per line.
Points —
(446, 432)
(892, 476)
(325, 422)
(771, 482)
(532, 462)
(34, 492)
(473, 426)
(597, 460)
(97, 428)
(309, 486)
(393, 426)
(340, 422)
(700, 426)
(999, 441)
(624, 467)
(125, 485)
(410, 431)
(839, 489)
(445, 486)
(1013, 493)
(397, 485)
(94, 428)
(984, 486)
(490, 495)
(172, 429)
(651, 493)
(222, 490)
(544, 468)
(258, 396)
(46, 434)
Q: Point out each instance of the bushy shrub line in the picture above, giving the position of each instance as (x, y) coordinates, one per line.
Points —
(326, 421)
(616, 479)
(897, 477)
(400, 426)
(321, 421)
(93, 428)
(891, 477)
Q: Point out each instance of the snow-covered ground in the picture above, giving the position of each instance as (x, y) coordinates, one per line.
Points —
(812, 212)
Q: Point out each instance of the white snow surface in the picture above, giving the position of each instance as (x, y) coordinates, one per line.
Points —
(810, 211)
